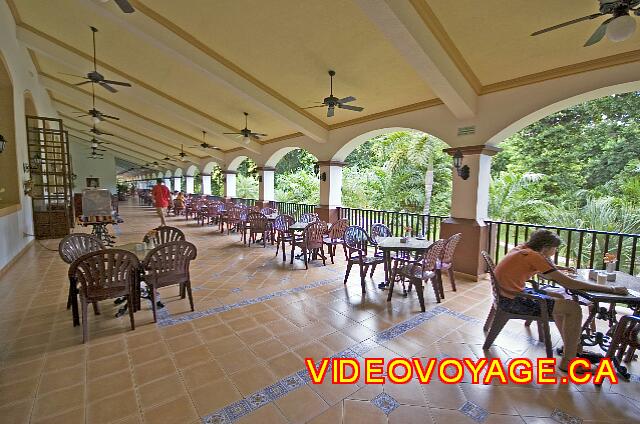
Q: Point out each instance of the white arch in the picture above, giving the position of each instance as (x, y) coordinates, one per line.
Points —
(209, 166)
(191, 171)
(355, 142)
(167, 174)
(235, 163)
(545, 110)
(177, 172)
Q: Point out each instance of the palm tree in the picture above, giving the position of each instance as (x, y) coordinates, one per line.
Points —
(510, 197)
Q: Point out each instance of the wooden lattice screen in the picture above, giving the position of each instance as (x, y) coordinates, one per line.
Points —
(50, 169)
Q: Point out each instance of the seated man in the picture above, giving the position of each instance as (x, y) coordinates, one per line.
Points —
(531, 258)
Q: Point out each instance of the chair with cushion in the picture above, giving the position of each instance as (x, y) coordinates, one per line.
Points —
(498, 317)
(70, 248)
(106, 274)
(168, 265)
(420, 270)
(309, 217)
(335, 237)
(165, 234)
(356, 241)
(310, 242)
(446, 262)
(283, 236)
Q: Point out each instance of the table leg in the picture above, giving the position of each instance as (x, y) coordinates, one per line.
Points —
(387, 269)
(74, 303)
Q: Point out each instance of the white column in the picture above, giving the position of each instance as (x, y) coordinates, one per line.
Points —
(331, 183)
(167, 182)
(206, 184)
(189, 180)
(177, 183)
(229, 184)
(266, 184)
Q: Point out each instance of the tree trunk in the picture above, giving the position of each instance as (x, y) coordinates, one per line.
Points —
(428, 188)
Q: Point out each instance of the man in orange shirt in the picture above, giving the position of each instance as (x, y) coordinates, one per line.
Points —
(161, 197)
(531, 258)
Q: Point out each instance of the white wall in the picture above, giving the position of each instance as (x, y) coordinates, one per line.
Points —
(84, 168)
(24, 77)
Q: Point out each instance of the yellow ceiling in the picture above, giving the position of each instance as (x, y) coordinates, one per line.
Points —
(493, 36)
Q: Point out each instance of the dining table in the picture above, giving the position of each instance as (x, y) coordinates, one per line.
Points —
(419, 246)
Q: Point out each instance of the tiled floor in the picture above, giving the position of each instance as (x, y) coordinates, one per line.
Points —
(239, 357)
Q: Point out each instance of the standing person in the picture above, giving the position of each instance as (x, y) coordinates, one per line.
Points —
(161, 197)
(534, 257)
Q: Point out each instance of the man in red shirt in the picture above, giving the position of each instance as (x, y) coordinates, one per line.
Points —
(161, 197)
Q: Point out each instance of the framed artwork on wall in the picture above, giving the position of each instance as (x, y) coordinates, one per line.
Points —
(93, 182)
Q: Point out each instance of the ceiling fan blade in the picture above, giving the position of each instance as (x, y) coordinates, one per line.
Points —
(82, 83)
(347, 99)
(564, 24)
(84, 114)
(259, 134)
(110, 117)
(107, 87)
(330, 112)
(125, 6)
(311, 107)
(235, 133)
(348, 107)
(124, 84)
(73, 75)
(598, 34)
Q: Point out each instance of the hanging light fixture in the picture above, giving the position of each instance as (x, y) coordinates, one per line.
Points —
(3, 143)
(246, 139)
(621, 28)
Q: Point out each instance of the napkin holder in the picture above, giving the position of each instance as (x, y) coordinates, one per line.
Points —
(611, 276)
(593, 274)
(404, 239)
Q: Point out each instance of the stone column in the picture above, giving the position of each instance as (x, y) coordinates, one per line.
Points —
(189, 184)
(206, 184)
(177, 183)
(266, 186)
(469, 209)
(330, 190)
(229, 184)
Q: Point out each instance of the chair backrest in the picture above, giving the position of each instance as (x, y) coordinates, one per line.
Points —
(433, 254)
(380, 230)
(450, 248)
(254, 208)
(73, 246)
(235, 213)
(356, 239)
(257, 221)
(309, 217)
(106, 273)
(169, 263)
(283, 222)
(165, 234)
(268, 211)
(314, 232)
(494, 281)
(338, 228)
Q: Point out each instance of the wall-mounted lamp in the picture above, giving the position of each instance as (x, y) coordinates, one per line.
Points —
(260, 178)
(463, 171)
(316, 168)
(323, 176)
(3, 143)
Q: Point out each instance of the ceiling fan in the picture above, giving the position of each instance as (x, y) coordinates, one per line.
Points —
(246, 133)
(124, 5)
(206, 145)
(97, 131)
(182, 155)
(331, 102)
(95, 114)
(619, 27)
(95, 76)
(95, 154)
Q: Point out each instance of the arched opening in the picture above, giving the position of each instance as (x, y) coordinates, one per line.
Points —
(193, 180)
(295, 176)
(9, 183)
(397, 170)
(247, 179)
(217, 178)
(29, 105)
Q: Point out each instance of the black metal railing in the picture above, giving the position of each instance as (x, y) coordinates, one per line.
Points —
(240, 200)
(293, 209)
(427, 225)
(581, 248)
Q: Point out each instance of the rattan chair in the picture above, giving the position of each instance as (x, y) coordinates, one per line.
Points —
(106, 274)
(446, 262)
(624, 342)
(167, 265)
(309, 217)
(335, 237)
(70, 248)
(498, 317)
(283, 236)
(258, 224)
(311, 242)
(356, 241)
(165, 234)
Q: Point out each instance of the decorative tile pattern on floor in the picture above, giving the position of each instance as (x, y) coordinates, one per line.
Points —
(385, 402)
(564, 418)
(475, 412)
(165, 319)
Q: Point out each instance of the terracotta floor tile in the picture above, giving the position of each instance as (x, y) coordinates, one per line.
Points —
(20, 390)
(225, 345)
(255, 335)
(357, 411)
(252, 379)
(59, 401)
(109, 385)
(112, 408)
(266, 414)
(137, 340)
(153, 370)
(237, 361)
(16, 413)
(333, 415)
(202, 374)
(210, 334)
(176, 330)
(268, 349)
(75, 416)
(301, 405)
(285, 364)
(105, 349)
(22, 371)
(213, 396)
(60, 379)
(184, 341)
(160, 391)
(313, 350)
(108, 365)
(189, 357)
(148, 353)
(406, 414)
(179, 410)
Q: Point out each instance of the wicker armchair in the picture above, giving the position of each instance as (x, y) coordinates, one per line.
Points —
(419, 271)
(167, 265)
(283, 236)
(70, 248)
(311, 242)
(446, 262)
(356, 241)
(335, 237)
(258, 224)
(625, 341)
(498, 317)
(165, 234)
(233, 218)
(309, 217)
(106, 274)
(268, 211)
